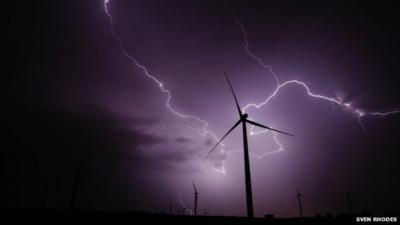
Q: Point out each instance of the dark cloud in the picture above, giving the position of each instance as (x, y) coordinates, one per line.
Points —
(41, 143)
(218, 158)
(97, 112)
(183, 155)
(183, 140)
(208, 142)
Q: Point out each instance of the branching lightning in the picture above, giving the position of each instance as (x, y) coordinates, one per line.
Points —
(279, 149)
(204, 124)
(183, 206)
(359, 113)
(247, 50)
(203, 131)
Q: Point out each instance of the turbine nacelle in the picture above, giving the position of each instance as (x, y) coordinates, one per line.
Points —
(243, 119)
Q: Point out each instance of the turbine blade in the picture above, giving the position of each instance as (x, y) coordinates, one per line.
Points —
(233, 93)
(215, 146)
(269, 128)
(194, 186)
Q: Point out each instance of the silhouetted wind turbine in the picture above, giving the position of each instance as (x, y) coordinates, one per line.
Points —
(76, 181)
(299, 196)
(243, 119)
(349, 203)
(195, 199)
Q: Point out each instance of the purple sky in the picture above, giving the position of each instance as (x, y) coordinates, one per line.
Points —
(75, 85)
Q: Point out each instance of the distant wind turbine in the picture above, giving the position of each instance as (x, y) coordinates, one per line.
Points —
(299, 196)
(349, 203)
(76, 181)
(243, 120)
(195, 199)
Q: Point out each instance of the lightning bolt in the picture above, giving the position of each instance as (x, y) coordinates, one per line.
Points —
(359, 113)
(204, 124)
(277, 142)
(246, 45)
(184, 206)
(279, 86)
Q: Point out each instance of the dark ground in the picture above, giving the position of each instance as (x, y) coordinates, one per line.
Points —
(76, 216)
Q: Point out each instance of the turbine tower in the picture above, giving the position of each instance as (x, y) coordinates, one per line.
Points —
(76, 181)
(244, 120)
(195, 199)
(349, 204)
(299, 196)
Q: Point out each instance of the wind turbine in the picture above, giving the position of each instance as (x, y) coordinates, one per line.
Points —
(244, 120)
(349, 203)
(76, 181)
(195, 198)
(299, 196)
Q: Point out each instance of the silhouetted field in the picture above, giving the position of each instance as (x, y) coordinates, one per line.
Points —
(33, 216)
